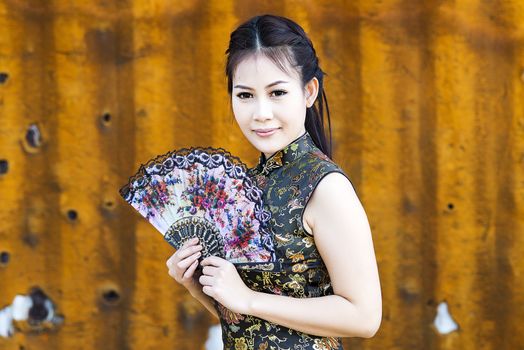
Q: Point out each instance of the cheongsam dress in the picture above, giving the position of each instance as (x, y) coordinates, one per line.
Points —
(287, 179)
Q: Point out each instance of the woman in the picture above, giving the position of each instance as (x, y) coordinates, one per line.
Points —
(325, 283)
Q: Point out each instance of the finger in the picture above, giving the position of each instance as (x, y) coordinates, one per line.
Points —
(189, 242)
(205, 280)
(185, 245)
(189, 272)
(184, 253)
(184, 264)
(213, 260)
(209, 270)
(209, 291)
(179, 253)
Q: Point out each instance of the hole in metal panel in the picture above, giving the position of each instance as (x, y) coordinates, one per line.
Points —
(72, 214)
(3, 77)
(33, 136)
(4, 258)
(4, 166)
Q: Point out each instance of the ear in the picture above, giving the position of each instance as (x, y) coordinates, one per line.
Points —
(311, 92)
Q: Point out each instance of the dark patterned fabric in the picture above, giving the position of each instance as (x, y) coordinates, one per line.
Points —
(288, 179)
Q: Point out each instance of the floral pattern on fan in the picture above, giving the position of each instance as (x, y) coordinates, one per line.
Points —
(203, 192)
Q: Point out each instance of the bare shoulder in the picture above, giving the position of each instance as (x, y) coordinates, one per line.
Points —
(334, 192)
(343, 238)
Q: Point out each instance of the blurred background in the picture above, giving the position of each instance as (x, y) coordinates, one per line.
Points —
(427, 109)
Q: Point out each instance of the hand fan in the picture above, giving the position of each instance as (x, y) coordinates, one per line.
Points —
(205, 193)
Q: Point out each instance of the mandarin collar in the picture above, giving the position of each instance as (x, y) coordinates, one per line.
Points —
(286, 155)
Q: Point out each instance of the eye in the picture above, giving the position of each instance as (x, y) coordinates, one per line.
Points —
(279, 92)
(242, 95)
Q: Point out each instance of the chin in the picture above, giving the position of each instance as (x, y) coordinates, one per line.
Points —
(265, 149)
(262, 146)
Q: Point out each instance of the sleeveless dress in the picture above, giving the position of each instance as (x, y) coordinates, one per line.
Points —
(287, 179)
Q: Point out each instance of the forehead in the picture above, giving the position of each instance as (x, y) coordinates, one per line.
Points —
(261, 69)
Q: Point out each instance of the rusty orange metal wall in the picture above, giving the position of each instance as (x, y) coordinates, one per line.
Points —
(426, 99)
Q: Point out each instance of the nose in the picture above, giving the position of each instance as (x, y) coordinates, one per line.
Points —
(263, 110)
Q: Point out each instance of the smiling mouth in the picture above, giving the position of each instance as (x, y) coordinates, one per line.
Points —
(265, 132)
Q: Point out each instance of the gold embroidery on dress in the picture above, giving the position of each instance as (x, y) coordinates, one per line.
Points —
(260, 266)
(272, 163)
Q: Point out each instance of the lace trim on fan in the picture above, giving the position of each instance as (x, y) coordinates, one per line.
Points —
(182, 152)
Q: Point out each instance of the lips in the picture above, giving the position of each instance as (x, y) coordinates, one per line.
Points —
(266, 132)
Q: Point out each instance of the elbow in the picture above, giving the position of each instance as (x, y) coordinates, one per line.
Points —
(368, 322)
(374, 319)
(371, 331)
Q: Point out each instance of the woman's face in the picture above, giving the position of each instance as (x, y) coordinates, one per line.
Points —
(265, 97)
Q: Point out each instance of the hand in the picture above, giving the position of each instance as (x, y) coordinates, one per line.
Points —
(182, 265)
(221, 281)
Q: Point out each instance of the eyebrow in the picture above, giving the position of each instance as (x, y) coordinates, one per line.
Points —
(270, 85)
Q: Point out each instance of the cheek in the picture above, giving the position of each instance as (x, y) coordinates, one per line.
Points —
(240, 116)
(291, 109)
(240, 113)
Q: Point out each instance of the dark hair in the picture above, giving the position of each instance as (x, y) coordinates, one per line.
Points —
(280, 39)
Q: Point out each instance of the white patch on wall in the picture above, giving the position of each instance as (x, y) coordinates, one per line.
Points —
(214, 338)
(6, 322)
(21, 305)
(443, 321)
(18, 311)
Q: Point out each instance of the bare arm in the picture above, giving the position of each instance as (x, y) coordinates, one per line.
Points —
(182, 266)
(343, 238)
(328, 316)
(205, 300)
